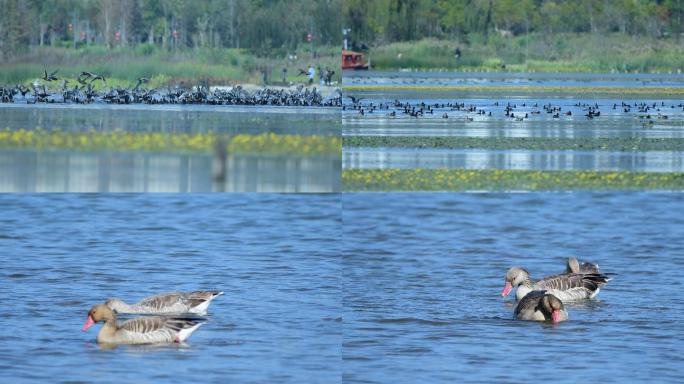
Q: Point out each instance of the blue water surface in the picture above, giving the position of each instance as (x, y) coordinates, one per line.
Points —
(423, 273)
(276, 257)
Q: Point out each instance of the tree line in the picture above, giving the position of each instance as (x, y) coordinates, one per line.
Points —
(263, 26)
(384, 21)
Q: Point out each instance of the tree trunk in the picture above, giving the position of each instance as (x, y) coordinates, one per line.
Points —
(107, 25)
(42, 33)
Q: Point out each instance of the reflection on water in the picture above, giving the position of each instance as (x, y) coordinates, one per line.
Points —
(29, 170)
(624, 116)
(49, 171)
(172, 118)
(651, 161)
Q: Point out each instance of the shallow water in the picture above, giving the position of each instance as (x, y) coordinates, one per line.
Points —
(510, 79)
(663, 119)
(79, 171)
(611, 123)
(73, 171)
(276, 257)
(172, 118)
(541, 160)
(424, 272)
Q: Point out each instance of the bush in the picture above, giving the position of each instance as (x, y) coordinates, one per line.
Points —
(145, 49)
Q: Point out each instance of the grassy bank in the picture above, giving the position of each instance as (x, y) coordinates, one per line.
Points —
(536, 53)
(508, 143)
(123, 66)
(504, 180)
(118, 140)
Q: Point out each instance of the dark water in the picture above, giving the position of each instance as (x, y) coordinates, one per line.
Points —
(276, 257)
(424, 272)
(79, 171)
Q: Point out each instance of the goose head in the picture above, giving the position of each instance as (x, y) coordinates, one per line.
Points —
(514, 277)
(98, 313)
(573, 265)
(551, 304)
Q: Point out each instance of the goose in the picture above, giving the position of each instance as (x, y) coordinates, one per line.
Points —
(540, 306)
(143, 330)
(565, 286)
(574, 266)
(196, 302)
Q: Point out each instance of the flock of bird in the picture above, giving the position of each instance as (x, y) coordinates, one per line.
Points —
(175, 320)
(543, 300)
(646, 111)
(84, 92)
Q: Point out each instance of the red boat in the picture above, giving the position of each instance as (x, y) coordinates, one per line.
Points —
(354, 60)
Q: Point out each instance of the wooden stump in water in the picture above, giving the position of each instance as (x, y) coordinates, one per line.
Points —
(220, 164)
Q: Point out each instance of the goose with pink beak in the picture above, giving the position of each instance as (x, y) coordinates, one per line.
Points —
(565, 286)
(540, 306)
(141, 330)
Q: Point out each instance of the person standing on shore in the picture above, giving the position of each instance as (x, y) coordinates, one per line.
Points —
(312, 73)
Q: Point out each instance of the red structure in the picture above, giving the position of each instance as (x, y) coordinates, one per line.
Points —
(354, 60)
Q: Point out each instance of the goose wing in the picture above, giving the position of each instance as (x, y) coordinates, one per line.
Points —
(144, 325)
(573, 286)
(196, 298)
(156, 329)
(529, 303)
(566, 281)
(162, 301)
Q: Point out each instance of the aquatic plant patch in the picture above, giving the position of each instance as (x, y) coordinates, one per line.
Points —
(506, 143)
(119, 140)
(504, 180)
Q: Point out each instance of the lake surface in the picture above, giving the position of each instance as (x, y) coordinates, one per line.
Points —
(172, 118)
(424, 273)
(75, 171)
(523, 159)
(623, 116)
(511, 79)
(276, 257)
(78, 171)
(611, 123)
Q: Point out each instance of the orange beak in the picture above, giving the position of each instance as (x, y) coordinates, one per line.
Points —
(555, 316)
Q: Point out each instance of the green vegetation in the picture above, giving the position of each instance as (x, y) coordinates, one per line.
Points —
(118, 140)
(536, 52)
(519, 35)
(267, 28)
(504, 180)
(121, 66)
(507, 143)
(215, 41)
